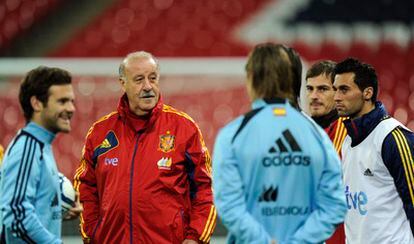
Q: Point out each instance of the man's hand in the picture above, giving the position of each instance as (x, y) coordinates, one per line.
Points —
(75, 211)
(189, 241)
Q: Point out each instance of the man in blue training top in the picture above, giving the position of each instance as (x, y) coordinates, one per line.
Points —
(29, 189)
(276, 174)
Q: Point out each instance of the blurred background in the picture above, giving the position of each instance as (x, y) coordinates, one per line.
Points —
(202, 47)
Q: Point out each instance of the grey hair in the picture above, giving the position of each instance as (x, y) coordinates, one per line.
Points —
(134, 55)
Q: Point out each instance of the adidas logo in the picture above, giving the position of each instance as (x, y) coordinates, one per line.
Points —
(368, 172)
(105, 144)
(294, 146)
(269, 195)
(286, 151)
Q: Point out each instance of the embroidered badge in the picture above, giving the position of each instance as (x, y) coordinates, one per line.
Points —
(164, 163)
(167, 142)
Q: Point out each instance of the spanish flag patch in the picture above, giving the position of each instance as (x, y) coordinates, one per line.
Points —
(279, 111)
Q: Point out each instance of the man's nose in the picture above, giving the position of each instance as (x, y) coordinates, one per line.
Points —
(337, 96)
(71, 107)
(313, 94)
(147, 85)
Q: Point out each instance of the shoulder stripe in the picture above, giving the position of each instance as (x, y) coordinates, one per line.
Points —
(340, 130)
(76, 184)
(337, 129)
(169, 109)
(341, 140)
(340, 134)
(406, 159)
(208, 162)
(103, 118)
(211, 223)
(23, 134)
(247, 117)
(22, 180)
(81, 169)
(27, 150)
(341, 137)
(82, 229)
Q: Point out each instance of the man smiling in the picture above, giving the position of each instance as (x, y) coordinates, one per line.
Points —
(30, 193)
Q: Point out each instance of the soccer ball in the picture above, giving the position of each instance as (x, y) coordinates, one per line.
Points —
(67, 193)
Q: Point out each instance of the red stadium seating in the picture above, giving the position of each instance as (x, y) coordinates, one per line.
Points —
(17, 16)
(185, 28)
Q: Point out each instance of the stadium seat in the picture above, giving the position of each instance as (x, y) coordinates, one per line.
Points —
(16, 16)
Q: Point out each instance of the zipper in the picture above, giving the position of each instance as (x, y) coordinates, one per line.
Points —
(96, 228)
(131, 188)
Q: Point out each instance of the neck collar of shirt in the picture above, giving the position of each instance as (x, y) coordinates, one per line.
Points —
(325, 120)
(138, 123)
(358, 129)
(40, 132)
(258, 103)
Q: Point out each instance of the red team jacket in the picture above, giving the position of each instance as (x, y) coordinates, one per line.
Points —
(145, 181)
(337, 134)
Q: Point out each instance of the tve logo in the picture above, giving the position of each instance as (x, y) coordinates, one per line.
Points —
(111, 161)
(356, 200)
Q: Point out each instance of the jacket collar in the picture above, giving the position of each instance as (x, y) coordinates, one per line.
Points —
(40, 133)
(325, 120)
(258, 103)
(358, 129)
(138, 123)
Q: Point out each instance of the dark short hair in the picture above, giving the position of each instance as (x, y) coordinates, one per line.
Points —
(37, 83)
(365, 75)
(324, 67)
(276, 71)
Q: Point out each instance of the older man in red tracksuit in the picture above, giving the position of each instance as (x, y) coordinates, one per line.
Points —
(145, 172)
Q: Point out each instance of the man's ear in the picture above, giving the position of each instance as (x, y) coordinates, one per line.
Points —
(368, 93)
(122, 82)
(37, 105)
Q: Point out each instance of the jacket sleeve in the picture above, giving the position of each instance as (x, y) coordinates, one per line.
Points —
(85, 184)
(397, 153)
(21, 175)
(330, 205)
(229, 196)
(203, 213)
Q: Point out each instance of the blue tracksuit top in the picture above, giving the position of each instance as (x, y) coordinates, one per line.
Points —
(29, 189)
(276, 175)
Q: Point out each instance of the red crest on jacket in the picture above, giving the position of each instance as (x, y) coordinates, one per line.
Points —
(167, 142)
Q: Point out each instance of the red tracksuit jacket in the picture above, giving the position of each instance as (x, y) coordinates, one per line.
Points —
(145, 180)
(337, 134)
